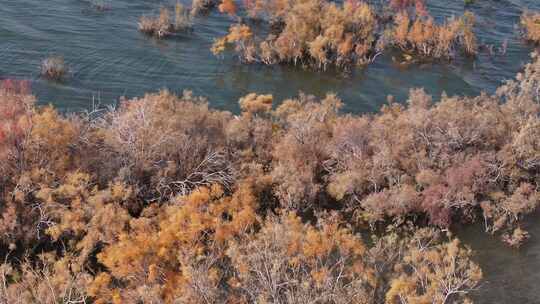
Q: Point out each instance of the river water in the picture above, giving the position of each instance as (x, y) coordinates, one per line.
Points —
(109, 58)
(510, 275)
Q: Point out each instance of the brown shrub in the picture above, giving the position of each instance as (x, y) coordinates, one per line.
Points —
(313, 33)
(420, 35)
(48, 281)
(290, 262)
(299, 153)
(54, 68)
(434, 272)
(166, 144)
(165, 200)
(320, 33)
(162, 26)
(179, 255)
(16, 105)
(530, 23)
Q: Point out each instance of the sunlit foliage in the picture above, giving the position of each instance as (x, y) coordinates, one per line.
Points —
(530, 23)
(179, 253)
(46, 281)
(292, 262)
(308, 33)
(421, 35)
(434, 272)
(320, 33)
(164, 200)
(16, 106)
(164, 25)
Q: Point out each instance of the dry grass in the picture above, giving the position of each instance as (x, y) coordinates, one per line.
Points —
(531, 26)
(54, 68)
(163, 25)
(424, 37)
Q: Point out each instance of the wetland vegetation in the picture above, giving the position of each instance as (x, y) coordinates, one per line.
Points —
(166, 198)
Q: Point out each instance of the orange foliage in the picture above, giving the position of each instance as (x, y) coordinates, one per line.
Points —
(167, 200)
(15, 122)
(424, 37)
(321, 33)
(531, 25)
(166, 259)
(312, 33)
(227, 6)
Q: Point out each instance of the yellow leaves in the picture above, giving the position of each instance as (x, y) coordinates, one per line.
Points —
(219, 46)
(428, 39)
(434, 271)
(317, 33)
(197, 198)
(214, 275)
(320, 276)
(317, 50)
(530, 21)
(117, 298)
(120, 191)
(398, 287)
(363, 12)
(346, 46)
(51, 138)
(196, 226)
(101, 282)
(50, 128)
(350, 244)
(253, 104)
(239, 32)
(401, 30)
(306, 261)
(227, 6)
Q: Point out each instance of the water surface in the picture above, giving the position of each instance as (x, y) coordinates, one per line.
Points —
(109, 58)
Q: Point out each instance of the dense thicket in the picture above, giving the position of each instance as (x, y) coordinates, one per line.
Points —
(164, 200)
(163, 25)
(321, 33)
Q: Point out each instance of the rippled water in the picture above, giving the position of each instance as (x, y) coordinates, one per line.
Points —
(510, 275)
(109, 58)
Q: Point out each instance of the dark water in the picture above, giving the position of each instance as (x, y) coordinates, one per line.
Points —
(109, 58)
(510, 275)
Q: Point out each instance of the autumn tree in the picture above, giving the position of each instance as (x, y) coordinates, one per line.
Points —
(291, 262)
(309, 33)
(530, 22)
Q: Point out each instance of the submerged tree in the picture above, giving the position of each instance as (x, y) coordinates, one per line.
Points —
(320, 33)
